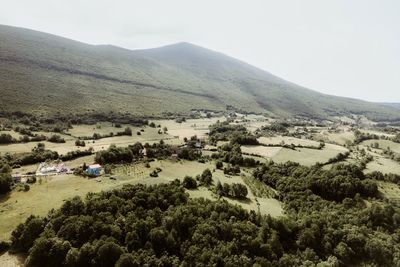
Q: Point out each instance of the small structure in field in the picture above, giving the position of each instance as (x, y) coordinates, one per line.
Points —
(16, 178)
(94, 169)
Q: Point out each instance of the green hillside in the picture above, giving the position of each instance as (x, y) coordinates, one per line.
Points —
(43, 73)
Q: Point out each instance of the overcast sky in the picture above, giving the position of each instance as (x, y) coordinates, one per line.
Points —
(340, 47)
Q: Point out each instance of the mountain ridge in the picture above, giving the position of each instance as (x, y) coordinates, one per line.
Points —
(42, 73)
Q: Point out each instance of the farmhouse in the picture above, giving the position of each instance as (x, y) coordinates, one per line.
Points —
(94, 169)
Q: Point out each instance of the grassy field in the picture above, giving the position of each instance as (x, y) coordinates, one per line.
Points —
(383, 165)
(276, 140)
(390, 191)
(379, 133)
(307, 156)
(262, 151)
(341, 138)
(190, 127)
(150, 135)
(383, 144)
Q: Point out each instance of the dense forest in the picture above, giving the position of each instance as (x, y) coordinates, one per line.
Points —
(328, 223)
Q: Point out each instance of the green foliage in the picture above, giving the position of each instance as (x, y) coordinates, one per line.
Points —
(6, 139)
(235, 190)
(206, 178)
(276, 127)
(55, 138)
(5, 183)
(80, 142)
(159, 225)
(189, 182)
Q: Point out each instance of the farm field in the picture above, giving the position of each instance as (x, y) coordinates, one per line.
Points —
(390, 191)
(383, 144)
(149, 136)
(341, 138)
(82, 130)
(376, 132)
(308, 157)
(190, 127)
(263, 151)
(277, 140)
(383, 165)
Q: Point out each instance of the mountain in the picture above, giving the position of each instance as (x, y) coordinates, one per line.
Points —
(44, 73)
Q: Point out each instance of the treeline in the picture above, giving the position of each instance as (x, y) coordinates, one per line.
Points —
(40, 154)
(8, 139)
(338, 158)
(293, 146)
(138, 151)
(61, 122)
(276, 127)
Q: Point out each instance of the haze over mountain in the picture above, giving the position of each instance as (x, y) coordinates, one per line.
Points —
(44, 73)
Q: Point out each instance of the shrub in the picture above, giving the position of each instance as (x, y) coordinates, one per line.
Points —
(55, 138)
(189, 182)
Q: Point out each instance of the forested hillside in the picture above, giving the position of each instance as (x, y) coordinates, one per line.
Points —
(46, 74)
(159, 225)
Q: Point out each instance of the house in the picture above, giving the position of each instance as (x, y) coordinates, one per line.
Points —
(94, 169)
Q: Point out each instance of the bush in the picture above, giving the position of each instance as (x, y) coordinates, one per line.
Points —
(80, 143)
(235, 190)
(31, 180)
(219, 165)
(206, 178)
(55, 138)
(5, 183)
(4, 246)
(154, 173)
(189, 182)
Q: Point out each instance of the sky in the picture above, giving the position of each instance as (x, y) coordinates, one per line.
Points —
(340, 47)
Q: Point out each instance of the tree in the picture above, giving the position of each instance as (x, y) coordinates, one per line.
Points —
(108, 254)
(206, 177)
(80, 143)
(189, 182)
(127, 260)
(219, 165)
(5, 182)
(128, 131)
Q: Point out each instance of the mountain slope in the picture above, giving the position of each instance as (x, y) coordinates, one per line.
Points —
(43, 73)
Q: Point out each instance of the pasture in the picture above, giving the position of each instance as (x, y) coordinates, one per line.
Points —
(190, 127)
(279, 140)
(308, 157)
(383, 144)
(383, 165)
(263, 151)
